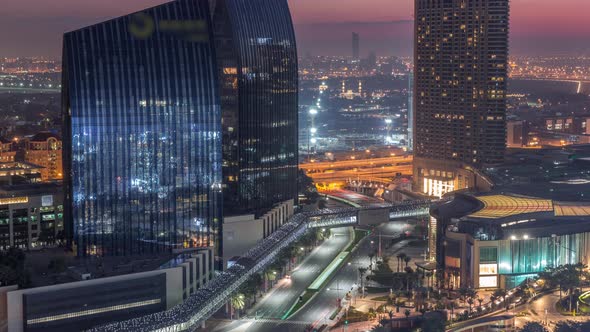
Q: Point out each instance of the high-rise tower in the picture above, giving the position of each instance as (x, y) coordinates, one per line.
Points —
(355, 46)
(461, 50)
(410, 131)
(257, 59)
(142, 133)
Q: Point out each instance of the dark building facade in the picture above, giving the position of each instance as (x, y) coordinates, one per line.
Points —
(461, 51)
(257, 59)
(142, 134)
(356, 46)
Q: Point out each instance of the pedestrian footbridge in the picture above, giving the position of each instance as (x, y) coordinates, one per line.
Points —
(367, 216)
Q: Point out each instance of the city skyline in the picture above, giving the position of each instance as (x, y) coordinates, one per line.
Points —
(322, 28)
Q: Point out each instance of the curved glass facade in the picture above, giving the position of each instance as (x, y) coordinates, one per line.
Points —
(143, 132)
(257, 57)
(534, 255)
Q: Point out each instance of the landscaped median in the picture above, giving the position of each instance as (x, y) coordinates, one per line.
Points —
(327, 274)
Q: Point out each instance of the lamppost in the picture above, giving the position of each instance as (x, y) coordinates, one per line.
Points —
(312, 130)
(388, 139)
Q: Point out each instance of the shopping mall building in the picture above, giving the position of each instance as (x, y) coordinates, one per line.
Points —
(499, 240)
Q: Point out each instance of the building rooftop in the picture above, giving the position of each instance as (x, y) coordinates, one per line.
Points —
(510, 206)
(561, 174)
(44, 136)
(501, 206)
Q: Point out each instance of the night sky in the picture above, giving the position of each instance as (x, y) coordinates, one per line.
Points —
(34, 27)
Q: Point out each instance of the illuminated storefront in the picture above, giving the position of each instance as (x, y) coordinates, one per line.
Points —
(502, 240)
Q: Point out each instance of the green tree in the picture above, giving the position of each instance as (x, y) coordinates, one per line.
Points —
(237, 302)
(306, 187)
(480, 301)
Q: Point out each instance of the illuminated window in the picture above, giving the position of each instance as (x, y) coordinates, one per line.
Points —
(92, 311)
(491, 281)
(452, 262)
(488, 269)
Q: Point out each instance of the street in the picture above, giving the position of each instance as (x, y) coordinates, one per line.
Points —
(270, 309)
(320, 308)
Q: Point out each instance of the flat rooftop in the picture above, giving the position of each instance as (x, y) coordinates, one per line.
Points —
(504, 206)
(559, 174)
(501, 206)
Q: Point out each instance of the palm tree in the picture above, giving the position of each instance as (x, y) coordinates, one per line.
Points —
(407, 313)
(407, 259)
(400, 258)
(493, 299)
(409, 274)
(429, 276)
(371, 255)
(362, 271)
(237, 303)
(470, 302)
(501, 293)
(463, 293)
(452, 306)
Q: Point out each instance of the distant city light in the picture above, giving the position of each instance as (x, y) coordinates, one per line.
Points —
(313, 111)
(313, 130)
(388, 121)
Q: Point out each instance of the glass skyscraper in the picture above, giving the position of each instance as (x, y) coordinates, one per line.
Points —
(257, 59)
(143, 132)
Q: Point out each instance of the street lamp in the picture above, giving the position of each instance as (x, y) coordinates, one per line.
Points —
(312, 113)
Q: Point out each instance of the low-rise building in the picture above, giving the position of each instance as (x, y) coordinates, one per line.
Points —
(80, 305)
(7, 151)
(240, 233)
(45, 149)
(31, 215)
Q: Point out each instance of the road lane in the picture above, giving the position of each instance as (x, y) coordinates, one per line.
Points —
(274, 305)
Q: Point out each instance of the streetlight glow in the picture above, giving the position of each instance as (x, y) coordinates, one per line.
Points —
(313, 111)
